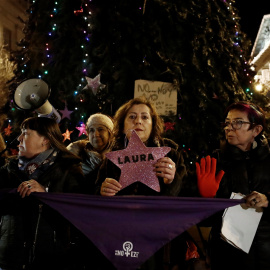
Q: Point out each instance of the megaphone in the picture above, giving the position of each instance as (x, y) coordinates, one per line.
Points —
(33, 94)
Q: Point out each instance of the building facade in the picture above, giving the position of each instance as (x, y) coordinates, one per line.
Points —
(11, 27)
(260, 56)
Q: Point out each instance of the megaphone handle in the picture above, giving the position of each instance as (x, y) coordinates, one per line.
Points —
(54, 114)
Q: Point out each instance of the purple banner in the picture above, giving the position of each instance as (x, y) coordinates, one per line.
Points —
(129, 229)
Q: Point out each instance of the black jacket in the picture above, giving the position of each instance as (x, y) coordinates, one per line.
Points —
(244, 172)
(32, 234)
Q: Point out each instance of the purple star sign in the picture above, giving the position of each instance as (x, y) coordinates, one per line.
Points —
(136, 162)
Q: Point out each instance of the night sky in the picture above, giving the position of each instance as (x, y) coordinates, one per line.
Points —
(251, 16)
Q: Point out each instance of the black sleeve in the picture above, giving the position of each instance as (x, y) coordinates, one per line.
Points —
(174, 188)
(107, 169)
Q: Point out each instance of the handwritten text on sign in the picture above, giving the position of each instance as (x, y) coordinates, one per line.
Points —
(162, 94)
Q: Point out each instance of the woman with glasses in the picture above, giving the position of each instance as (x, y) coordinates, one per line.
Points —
(244, 159)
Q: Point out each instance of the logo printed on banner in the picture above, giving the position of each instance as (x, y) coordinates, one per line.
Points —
(127, 251)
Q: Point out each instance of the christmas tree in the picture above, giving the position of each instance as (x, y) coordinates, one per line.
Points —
(6, 74)
(91, 53)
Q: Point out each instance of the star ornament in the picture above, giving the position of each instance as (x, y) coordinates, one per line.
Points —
(136, 162)
(13, 152)
(94, 84)
(169, 125)
(66, 113)
(7, 130)
(82, 130)
(66, 135)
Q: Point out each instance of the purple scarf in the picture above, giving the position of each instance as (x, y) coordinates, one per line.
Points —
(129, 229)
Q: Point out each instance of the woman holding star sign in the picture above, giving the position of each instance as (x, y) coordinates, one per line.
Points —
(140, 116)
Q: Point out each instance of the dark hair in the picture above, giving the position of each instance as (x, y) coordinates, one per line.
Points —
(48, 128)
(255, 113)
(120, 115)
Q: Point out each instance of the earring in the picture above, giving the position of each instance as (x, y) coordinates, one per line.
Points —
(254, 145)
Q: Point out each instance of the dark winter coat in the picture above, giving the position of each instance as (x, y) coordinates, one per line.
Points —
(244, 172)
(109, 169)
(91, 161)
(33, 236)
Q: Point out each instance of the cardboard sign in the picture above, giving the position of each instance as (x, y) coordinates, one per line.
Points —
(162, 94)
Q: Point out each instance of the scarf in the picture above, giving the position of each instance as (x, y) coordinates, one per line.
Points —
(36, 166)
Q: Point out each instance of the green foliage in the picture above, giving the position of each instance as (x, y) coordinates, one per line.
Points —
(196, 45)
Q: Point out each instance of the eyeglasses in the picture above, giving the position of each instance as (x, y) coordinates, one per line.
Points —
(236, 124)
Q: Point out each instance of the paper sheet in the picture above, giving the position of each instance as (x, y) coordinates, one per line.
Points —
(240, 225)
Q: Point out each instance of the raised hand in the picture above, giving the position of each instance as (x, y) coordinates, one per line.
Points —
(208, 181)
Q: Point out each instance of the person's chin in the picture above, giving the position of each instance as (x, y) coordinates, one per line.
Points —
(98, 146)
(139, 133)
(231, 141)
(143, 139)
(21, 154)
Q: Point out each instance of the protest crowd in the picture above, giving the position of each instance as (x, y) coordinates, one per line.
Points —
(68, 207)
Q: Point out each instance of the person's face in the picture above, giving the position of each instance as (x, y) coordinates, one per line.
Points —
(98, 137)
(31, 143)
(138, 118)
(243, 137)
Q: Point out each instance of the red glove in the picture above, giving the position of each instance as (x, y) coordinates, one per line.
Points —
(208, 181)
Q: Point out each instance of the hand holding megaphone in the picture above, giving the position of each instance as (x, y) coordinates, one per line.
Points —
(33, 94)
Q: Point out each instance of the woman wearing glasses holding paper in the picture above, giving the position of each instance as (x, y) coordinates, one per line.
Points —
(243, 166)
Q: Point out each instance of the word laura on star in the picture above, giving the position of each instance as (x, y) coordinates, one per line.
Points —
(136, 162)
(135, 158)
